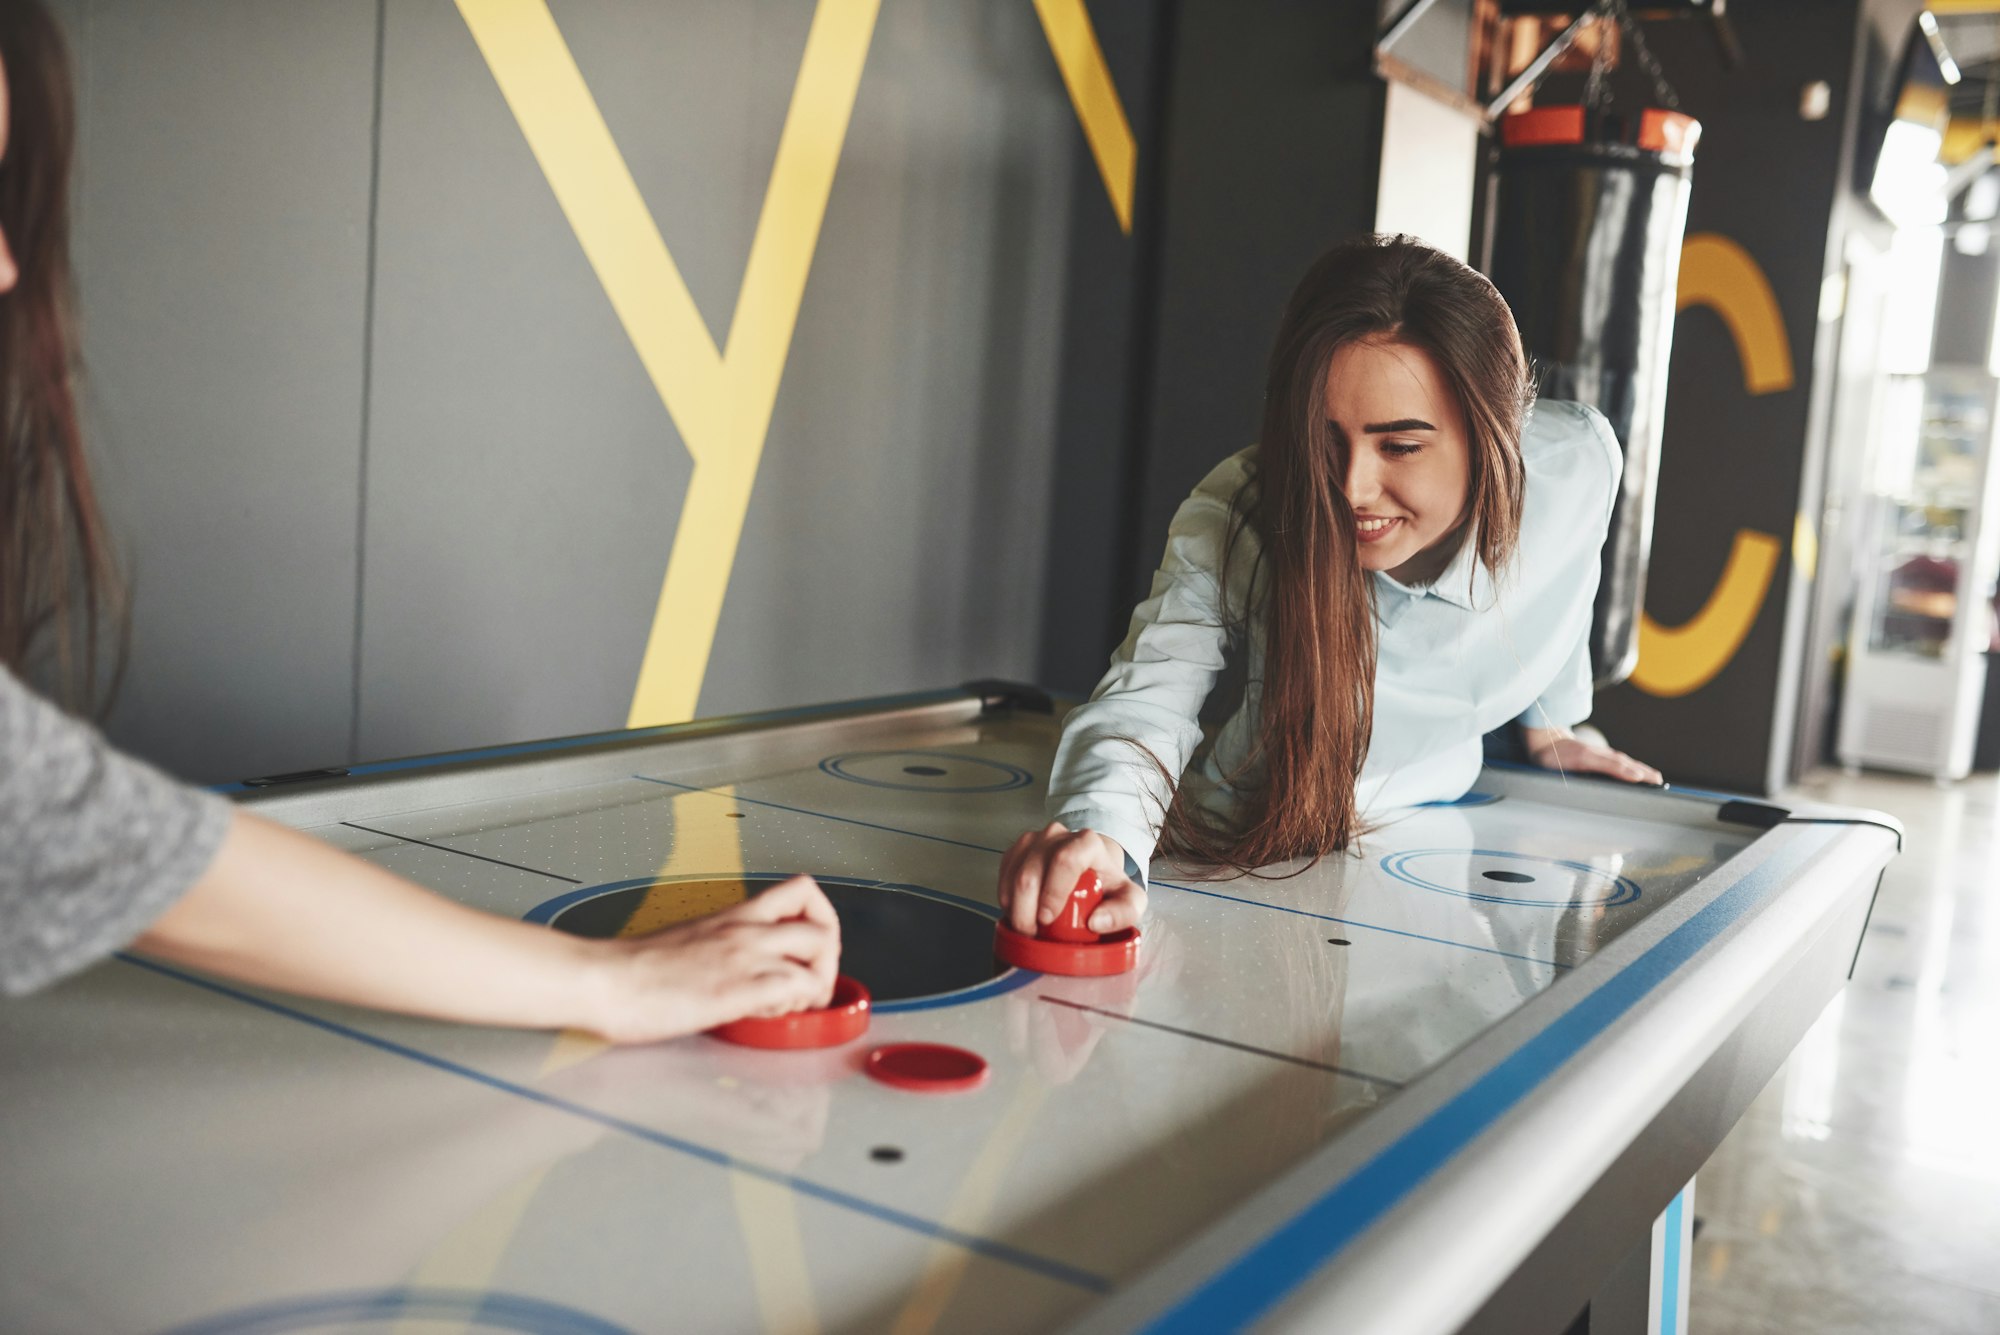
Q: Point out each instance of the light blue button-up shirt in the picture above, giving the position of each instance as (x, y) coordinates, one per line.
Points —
(1453, 660)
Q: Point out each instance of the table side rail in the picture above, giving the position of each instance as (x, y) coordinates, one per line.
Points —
(428, 782)
(1534, 1164)
(1397, 1188)
(1618, 1210)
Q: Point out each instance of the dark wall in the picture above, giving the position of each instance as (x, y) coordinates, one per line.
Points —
(1271, 117)
(1735, 459)
(1107, 318)
(1274, 119)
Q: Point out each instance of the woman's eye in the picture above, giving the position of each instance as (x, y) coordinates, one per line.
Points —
(1401, 449)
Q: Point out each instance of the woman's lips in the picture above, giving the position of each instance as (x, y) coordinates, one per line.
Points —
(1368, 535)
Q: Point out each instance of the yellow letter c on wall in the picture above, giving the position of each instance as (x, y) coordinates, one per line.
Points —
(1674, 660)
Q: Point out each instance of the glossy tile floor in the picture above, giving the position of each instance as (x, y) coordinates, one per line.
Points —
(1861, 1192)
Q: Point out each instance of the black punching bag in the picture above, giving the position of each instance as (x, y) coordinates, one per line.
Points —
(1588, 220)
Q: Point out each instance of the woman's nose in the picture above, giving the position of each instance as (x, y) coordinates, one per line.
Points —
(1363, 482)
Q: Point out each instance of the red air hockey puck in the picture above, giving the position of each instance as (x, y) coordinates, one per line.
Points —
(1111, 954)
(842, 1020)
(928, 1068)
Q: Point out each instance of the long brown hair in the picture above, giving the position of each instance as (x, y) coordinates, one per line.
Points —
(58, 584)
(1318, 691)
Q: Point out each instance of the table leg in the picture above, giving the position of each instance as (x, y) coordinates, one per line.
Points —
(1647, 1293)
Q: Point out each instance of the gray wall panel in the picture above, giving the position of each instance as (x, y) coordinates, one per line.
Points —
(487, 513)
(897, 535)
(695, 92)
(221, 251)
(524, 479)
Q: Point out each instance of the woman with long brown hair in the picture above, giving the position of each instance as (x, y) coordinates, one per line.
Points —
(1406, 560)
(98, 850)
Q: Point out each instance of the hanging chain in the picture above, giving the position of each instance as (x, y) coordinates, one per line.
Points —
(1616, 10)
(1596, 89)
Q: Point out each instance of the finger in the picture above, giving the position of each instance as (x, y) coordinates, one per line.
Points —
(818, 908)
(797, 897)
(777, 991)
(812, 945)
(1638, 771)
(795, 939)
(1121, 908)
(1010, 864)
(1028, 887)
(1602, 760)
(1071, 858)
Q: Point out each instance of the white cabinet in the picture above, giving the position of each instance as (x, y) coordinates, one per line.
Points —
(1924, 612)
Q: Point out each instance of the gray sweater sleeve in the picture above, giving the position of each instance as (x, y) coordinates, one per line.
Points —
(94, 845)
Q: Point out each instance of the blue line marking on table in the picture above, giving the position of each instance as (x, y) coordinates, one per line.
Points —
(1468, 800)
(802, 811)
(1014, 979)
(490, 1311)
(738, 796)
(1624, 889)
(1353, 922)
(1011, 776)
(987, 1247)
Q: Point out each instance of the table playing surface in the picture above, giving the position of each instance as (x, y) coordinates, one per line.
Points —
(186, 1153)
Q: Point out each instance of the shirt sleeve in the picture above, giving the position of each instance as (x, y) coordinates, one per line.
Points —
(1565, 702)
(94, 845)
(1123, 751)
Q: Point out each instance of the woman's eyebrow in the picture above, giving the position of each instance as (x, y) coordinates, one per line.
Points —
(1401, 424)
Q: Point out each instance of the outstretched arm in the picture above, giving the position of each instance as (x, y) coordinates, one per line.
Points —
(1123, 751)
(283, 910)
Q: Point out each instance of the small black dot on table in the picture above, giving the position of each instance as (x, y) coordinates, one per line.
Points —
(1338, 941)
(1510, 877)
(886, 1154)
(924, 771)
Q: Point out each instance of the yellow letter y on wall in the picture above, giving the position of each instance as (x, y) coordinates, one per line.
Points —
(721, 402)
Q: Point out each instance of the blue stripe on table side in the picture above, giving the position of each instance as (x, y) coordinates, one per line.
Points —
(1668, 790)
(1272, 1268)
(999, 1251)
(1670, 1268)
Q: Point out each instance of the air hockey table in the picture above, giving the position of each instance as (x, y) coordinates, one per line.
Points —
(1457, 1080)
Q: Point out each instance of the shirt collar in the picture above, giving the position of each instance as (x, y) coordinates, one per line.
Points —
(1466, 583)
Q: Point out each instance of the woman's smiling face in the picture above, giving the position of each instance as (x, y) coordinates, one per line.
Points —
(1408, 467)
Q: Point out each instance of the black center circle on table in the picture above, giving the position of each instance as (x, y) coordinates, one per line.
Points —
(926, 771)
(900, 942)
(1537, 882)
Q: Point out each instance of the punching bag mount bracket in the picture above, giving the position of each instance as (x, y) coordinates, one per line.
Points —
(1596, 11)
